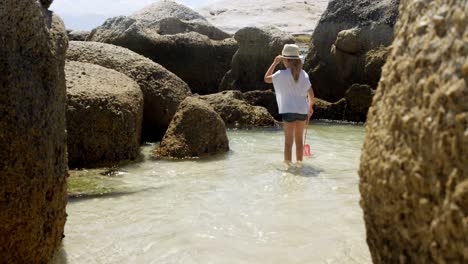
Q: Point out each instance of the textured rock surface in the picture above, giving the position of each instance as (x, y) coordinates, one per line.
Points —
(104, 114)
(32, 132)
(162, 90)
(291, 16)
(232, 108)
(169, 17)
(347, 32)
(193, 56)
(257, 49)
(77, 35)
(358, 100)
(414, 169)
(266, 99)
(196, 130)
(330, 111)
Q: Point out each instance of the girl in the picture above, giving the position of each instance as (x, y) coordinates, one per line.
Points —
(292, 87)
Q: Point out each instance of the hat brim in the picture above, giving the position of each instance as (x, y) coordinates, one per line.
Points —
(291, 57)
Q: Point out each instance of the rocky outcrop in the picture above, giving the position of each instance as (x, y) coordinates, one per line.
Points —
(358, 100)
(257, 49)
(159, 32)
(266, 99)
(77, 35)
(196, 130)
(104, 114)
(296, 17)
(235, 112)
(414, 169)
(162, 90)
(349, 45)
(329, 111)
(33, 151)
(169, 17)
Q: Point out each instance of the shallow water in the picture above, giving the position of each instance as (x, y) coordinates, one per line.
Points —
(242, 207)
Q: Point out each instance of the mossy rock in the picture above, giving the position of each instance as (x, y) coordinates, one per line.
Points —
(95, 183)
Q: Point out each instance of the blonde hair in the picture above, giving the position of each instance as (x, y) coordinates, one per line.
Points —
(296, 68)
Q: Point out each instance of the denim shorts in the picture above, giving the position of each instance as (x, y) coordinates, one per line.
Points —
(292, 117)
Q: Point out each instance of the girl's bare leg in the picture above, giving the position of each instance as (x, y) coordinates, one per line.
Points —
(288, 140)
(298, 137)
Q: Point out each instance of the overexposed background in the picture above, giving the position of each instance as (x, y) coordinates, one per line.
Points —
(88, 14)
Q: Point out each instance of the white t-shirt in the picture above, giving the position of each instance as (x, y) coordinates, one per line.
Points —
(291, 95)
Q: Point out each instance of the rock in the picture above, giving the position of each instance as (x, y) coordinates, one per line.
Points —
(329, 111)
(238, 113)
(104, 114)
(373, 63)
(257, 49)
(266, 99)
(196, 130)
(348, 41)
(162, 90)
(414, 169)
(296, 17)
(32, 131)
(338, 53)
(171, 18)
(158, 33)
(77, 35)
(46, 3)
(358, 100)
(199, 61)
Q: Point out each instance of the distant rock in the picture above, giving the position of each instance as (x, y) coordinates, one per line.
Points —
(414, 163)
(169, 18)
(292, 16)
(196, 131)
(349, 45)
(104, 114)
(177, 38)
(266, 99)
(358, 100)
(236, 112)
(329, 111)
(33, 186)
(257, 49)
(77, 35)
(163, 91)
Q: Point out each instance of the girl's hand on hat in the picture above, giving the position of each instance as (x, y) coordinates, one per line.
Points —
(278, 59)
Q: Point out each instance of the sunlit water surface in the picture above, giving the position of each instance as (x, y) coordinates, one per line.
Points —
(242, 207)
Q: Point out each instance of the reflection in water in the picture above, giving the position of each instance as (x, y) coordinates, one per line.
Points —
(242, 207)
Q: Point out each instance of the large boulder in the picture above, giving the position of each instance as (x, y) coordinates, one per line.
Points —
(196, 130)
(414, 169)
(33, 151)
(236, 112)
(162, 90)
(104, 114)
(198, 57)
(349, 45)
(257, 49)
(292, 16)
(169, 17)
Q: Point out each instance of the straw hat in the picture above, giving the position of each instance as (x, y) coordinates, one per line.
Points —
(291, 51)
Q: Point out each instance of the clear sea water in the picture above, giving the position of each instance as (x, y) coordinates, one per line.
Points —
(240, 207)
